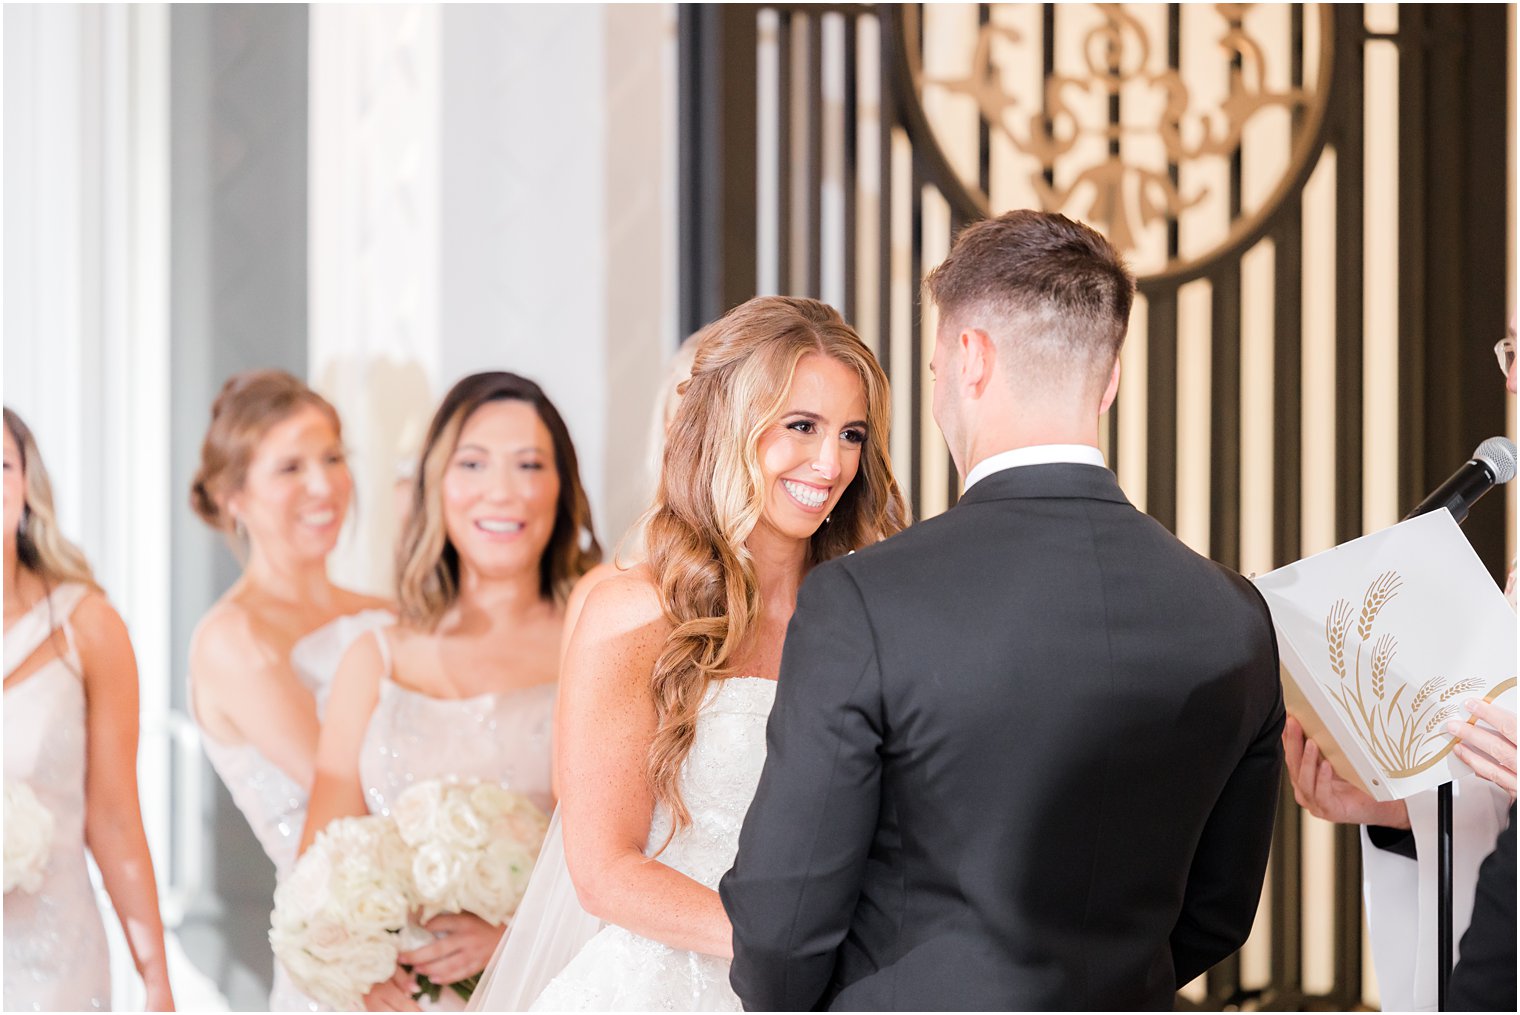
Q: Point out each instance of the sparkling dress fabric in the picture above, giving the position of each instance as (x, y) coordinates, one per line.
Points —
(273, 803)
(618, 970)
(56, 957)
(501, 737)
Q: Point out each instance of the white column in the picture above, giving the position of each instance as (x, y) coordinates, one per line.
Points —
(374, 248)
(490, 190)
(86, 345)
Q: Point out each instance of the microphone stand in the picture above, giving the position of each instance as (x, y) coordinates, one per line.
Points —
(1456, 495)
(1443, 894)
(1444, 889)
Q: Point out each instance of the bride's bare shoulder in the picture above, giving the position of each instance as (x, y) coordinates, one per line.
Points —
(626, 601)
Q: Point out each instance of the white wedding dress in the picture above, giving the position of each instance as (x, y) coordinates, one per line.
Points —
(617, 970)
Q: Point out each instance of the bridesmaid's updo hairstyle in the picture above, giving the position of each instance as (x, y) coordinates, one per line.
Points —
(250, 404)
(427, 563)
(41, 547)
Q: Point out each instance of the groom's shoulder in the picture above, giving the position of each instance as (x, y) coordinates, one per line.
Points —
(919, 541)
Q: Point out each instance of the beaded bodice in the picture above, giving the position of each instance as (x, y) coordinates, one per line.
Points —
(718, 779)
(500, 736)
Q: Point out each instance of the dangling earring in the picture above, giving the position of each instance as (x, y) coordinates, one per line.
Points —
(239, 529)
(26, 513)
(827, 519)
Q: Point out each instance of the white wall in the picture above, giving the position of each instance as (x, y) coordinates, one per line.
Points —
(86, 341)
(490, 189)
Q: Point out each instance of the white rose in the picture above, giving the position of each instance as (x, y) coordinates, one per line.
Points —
(327, 940)
(315, 958)
(305, 890)
(436, 870)
(459, 824)
(383, 908)
(335, 912)
(372, 960)
(495, 886)
(416, 811)
(491, 799)
(28, 838)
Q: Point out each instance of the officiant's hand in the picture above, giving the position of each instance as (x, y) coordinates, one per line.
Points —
(465, 944)
(1326, 795)
(1488, 752)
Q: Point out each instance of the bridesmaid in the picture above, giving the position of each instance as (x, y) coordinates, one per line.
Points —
(463, 686)
(71, 736)
(273, 478)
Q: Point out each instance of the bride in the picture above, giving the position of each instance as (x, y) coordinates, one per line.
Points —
(777, 461)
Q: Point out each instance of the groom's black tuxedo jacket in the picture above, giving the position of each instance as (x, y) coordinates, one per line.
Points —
(1023, 755)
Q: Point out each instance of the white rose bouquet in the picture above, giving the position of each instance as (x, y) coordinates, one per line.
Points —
(28, 837)
(473, 848)
(340, 915)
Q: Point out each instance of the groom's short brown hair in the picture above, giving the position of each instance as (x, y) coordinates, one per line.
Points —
(1053, 289)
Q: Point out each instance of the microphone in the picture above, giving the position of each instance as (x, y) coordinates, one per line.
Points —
(1493, 463)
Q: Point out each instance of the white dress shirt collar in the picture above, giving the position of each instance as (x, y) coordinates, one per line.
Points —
(1039, 454)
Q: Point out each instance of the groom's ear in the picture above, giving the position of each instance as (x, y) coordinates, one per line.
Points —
(978, 360)
(1112, 391)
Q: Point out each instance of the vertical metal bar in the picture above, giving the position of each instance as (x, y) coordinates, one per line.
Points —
(1412, 265)
(718, 128)
(1476, 172)
(1224, 403)
(693, 246)
(1048, 37)
(1115, 117)
(814, 119)
(886, 119)
(983, 129)
(915, 345)
(952, 475)
(785, 124)
(1173, 61)
(1224, 476)
(1286, 871)
(1285, 991)
(1443, 898)
(1349, 215)
(851, 183)
(1161, 403)
(915, 323)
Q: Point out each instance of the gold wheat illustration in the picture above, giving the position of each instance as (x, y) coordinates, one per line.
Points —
(1382, 658)
(1336, 626)
(1382, 590)
(1402, 737)
(1428, 688)
(1461, 687)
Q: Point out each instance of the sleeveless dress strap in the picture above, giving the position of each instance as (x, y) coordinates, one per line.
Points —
(384, 645)
(32, 630)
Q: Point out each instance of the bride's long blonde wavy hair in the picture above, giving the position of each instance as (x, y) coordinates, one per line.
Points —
(711, 496)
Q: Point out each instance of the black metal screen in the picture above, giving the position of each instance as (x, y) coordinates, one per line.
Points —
(812, 164)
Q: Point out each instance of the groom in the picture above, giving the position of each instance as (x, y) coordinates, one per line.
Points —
(1025, 754)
